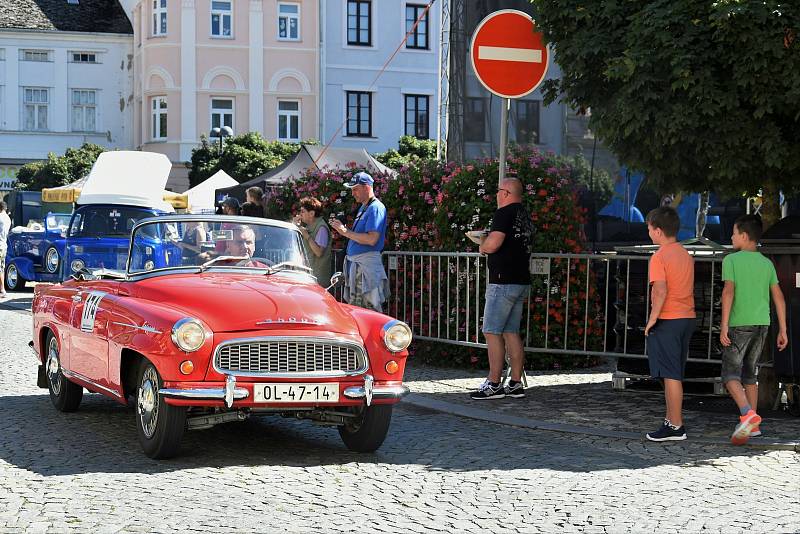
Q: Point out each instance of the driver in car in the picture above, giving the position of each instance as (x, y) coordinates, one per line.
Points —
(242, 244)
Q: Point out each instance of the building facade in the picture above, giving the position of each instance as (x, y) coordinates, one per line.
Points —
(367, 105)
(65, 79)
(251, 65)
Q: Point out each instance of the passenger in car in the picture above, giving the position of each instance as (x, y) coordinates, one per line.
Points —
(193, 236)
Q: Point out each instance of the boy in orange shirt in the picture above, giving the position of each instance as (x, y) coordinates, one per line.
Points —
(672, 317)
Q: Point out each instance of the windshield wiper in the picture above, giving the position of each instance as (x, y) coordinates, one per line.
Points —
(278, 267)
(211, 262)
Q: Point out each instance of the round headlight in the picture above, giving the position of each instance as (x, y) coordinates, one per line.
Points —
(148, 265)
(396, 335)
(77, 265)
(51, 260)
(188, 334)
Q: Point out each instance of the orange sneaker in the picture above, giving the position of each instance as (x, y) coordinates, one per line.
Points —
(744, 429)
(756, 432)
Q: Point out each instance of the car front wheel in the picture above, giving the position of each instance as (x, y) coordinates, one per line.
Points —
(160, 426)
(52, 260)
(367, 431)
(14, 281)
(65, 395)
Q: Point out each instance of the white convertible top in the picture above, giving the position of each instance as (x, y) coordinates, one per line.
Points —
(128, 177)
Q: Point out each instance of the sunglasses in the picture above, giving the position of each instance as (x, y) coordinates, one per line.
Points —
(506, 190)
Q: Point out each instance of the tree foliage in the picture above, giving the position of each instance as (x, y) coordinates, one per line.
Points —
(244, 156)
(698, 95)
(409, 149)
(58, 170)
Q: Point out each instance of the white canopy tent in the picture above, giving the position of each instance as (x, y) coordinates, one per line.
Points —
(201, 198)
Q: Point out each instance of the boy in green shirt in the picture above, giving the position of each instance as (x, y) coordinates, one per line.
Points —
(749, 279)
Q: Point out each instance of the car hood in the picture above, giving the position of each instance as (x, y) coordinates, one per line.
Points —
(234, 303)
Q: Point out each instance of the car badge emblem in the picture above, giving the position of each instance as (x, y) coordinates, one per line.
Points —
(295, 320)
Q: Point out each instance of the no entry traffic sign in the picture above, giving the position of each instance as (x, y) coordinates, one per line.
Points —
(508, 55)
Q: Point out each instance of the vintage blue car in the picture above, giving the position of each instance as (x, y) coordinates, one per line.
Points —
(122, 189)
(35, 250)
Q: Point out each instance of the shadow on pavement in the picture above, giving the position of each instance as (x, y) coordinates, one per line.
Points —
(636, 409)
(101, 438)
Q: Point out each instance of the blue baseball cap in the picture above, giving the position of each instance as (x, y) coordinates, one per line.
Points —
(360, 178)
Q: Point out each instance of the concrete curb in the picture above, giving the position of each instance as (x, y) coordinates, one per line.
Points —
(424, 401)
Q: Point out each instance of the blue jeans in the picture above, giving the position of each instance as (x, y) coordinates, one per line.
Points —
(503, 310)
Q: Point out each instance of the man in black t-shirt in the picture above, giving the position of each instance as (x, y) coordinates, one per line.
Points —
(508, 246)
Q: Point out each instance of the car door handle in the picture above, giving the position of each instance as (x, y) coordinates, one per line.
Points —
(77, 298)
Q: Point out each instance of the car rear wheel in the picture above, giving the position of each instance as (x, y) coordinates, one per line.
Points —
(65, 395)
(14, 281)
(160, 426)
(367, 431)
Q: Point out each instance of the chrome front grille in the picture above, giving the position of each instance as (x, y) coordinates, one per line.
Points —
(294, 356)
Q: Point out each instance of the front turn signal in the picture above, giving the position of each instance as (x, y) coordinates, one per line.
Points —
(187, 367)
(392, 367)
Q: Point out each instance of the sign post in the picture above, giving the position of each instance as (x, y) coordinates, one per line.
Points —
(510, 59)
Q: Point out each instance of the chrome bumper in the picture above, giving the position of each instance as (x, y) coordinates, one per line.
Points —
(231, 393)
(228, 394)
(369, 392)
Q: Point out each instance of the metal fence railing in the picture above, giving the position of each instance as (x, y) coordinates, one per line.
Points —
(592, 304)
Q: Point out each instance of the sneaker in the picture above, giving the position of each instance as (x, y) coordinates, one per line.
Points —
(756, 432)
(667, 432)
(516, 391)
(744, 429)
(488, 391)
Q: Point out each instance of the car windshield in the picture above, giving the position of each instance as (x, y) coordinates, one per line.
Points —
(58, 221)
(215, 241)
(107, 221)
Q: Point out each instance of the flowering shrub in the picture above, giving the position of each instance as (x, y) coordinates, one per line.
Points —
(430, 206)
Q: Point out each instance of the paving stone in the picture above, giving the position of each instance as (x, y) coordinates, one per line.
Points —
(84, 472)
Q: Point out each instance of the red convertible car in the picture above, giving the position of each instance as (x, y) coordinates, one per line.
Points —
(238, 327)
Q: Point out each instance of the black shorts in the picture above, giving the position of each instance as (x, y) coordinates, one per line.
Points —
(668, 347)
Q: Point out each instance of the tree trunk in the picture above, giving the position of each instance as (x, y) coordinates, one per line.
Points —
(770, 203)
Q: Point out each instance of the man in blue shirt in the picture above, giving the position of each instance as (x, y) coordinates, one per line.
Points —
(366, 283)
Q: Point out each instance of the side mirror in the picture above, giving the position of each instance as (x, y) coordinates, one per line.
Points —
(337, 277)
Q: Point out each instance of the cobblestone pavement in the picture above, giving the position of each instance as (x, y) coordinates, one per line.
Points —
(436, 472)
(585, 398)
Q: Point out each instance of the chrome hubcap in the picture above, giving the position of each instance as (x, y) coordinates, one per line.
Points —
(147, 404)
(53, 367)
(52, 260)
(12, 276)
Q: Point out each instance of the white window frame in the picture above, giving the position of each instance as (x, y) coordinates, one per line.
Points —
(416, 97)
(371, 102)
(222, 14)
(159, 16)
(425, 22)
(91, 57)
(156, 112)
(289, 17)
(34, 55)
(289, 114)
(86, 108)
(371, 31)
(37, 106)
(222, 112)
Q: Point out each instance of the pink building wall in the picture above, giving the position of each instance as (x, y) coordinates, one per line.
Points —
(253, 68)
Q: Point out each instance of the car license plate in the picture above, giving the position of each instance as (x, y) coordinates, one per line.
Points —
(327, 392)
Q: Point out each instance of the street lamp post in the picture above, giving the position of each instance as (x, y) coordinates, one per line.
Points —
(222, 133)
